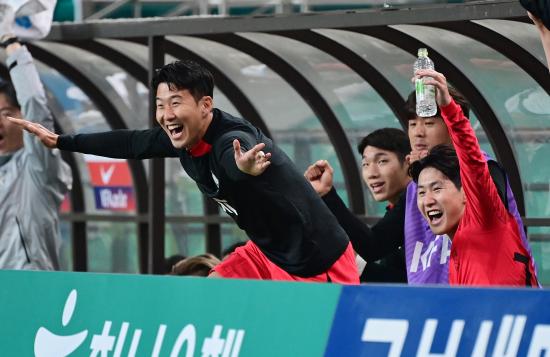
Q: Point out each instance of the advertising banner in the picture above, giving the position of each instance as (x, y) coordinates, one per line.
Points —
(85, 314)
(99, 315)
(423, 321)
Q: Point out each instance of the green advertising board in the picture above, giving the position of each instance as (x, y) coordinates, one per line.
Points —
(85, 314)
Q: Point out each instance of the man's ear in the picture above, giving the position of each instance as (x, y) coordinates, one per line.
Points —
(463, 195)
(206, 106)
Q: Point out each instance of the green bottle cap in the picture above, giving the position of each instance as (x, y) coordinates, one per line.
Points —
(422, 52)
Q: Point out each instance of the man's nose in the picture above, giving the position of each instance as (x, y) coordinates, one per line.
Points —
(429, 199)
(372, 171)
(169, 113)
(419, 130)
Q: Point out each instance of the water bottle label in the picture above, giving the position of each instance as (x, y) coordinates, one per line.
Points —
(419, 86)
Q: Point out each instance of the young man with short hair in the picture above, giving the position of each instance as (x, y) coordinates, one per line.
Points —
(293, 235)
(457, 197)
(385, 172)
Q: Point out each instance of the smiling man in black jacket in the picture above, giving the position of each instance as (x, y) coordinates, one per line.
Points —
(385, 172)
(293, 235)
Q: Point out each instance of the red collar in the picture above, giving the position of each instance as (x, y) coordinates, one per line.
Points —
(202, 148)
(390, 206)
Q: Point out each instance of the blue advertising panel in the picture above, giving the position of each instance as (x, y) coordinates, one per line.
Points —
(424, 321)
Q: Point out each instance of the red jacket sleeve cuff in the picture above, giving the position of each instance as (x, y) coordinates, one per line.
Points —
(450, 110)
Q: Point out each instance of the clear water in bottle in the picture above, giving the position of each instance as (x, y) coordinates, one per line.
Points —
(426, 105)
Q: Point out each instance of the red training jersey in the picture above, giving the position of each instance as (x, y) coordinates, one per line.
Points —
(487, 247)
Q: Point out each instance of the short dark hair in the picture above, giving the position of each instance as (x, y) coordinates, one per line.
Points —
(410, 104)
(390, 139)
(7, 89)
(442, 158)
(185, 74)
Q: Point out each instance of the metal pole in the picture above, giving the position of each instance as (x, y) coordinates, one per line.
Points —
(156, 212)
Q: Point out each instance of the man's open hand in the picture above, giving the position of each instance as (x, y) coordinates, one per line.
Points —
(254, 161)
(47, 137)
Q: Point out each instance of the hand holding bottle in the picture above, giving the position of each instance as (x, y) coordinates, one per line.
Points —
(438, 80)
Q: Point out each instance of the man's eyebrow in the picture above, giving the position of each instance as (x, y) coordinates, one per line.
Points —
(436, 182)
(170, 97)
(430, 184)
(377, 155)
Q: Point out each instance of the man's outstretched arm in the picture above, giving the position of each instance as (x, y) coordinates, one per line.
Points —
(121, 144)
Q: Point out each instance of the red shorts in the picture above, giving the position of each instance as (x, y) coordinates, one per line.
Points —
(248, 262)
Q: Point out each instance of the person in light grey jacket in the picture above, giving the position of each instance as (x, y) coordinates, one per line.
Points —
(33, 178)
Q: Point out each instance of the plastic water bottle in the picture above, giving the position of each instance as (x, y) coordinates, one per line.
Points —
(425, 94)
